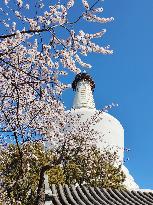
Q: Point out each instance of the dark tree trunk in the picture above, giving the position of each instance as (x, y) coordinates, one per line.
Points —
(40, 199)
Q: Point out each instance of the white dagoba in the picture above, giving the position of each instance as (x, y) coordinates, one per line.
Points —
(108, 127)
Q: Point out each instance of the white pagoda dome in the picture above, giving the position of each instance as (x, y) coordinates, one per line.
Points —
(107, 127)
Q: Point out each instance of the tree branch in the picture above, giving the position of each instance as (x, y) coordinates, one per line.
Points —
(25, 32)
(78, 19)
(40, 190)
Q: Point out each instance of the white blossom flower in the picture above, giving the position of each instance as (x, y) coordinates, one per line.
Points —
(14, 25)
(70, 4)
(27, 6)
(20, 3)
(85, 3)
(6, 1)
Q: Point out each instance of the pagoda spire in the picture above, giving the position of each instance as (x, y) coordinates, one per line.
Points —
(83, 85)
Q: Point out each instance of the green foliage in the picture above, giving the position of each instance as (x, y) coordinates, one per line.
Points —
(21, 177)
(93, 168)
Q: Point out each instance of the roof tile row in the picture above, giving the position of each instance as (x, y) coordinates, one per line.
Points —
(83, 195)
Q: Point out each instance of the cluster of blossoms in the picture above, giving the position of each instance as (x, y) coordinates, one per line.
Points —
(56, 17)
(90, 17)
(32, 57)
(85, 3)
(81, 62)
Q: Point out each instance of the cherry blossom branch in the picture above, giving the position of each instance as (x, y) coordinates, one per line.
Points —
(10, 64)
(25, 32)
(49, 28)
(81, 16)
(30, 70)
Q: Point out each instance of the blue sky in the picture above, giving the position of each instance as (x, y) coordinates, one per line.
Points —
(126, 78)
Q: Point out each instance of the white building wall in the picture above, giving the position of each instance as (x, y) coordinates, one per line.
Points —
(110, 131)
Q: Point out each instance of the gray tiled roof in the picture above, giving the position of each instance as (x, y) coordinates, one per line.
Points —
(82, 195)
